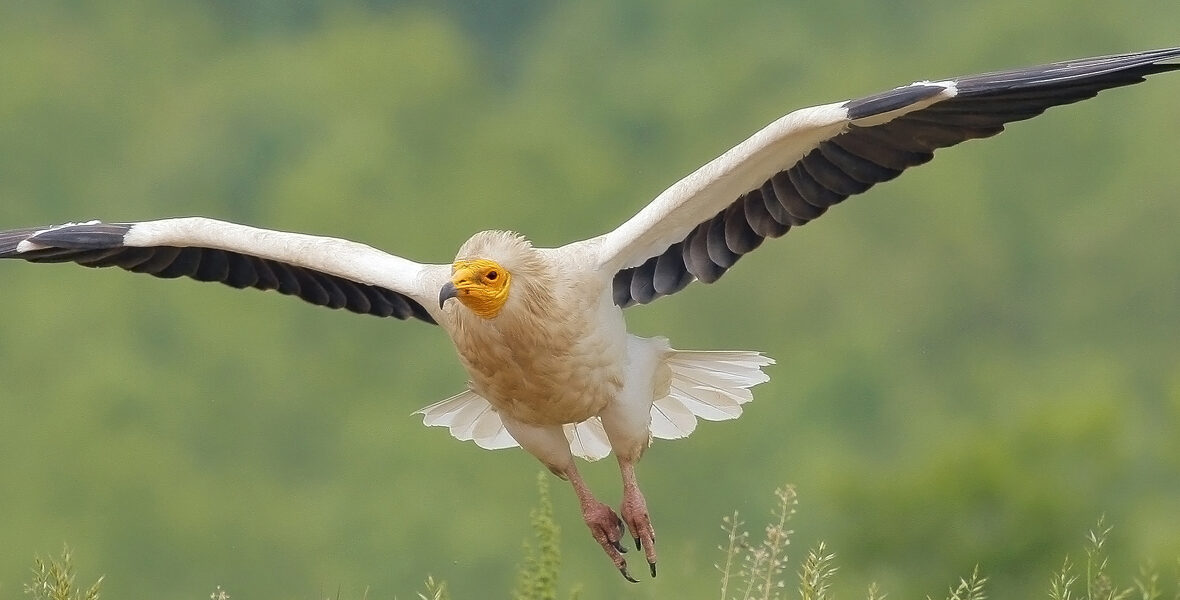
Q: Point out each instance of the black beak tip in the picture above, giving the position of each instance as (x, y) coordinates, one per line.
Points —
(447, 292)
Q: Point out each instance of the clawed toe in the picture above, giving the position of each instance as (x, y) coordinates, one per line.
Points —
(639, 546)
(609, 527)
(634, 511)
(626, 575)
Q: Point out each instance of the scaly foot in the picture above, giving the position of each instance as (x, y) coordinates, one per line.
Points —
(607, 529)
(634, 510)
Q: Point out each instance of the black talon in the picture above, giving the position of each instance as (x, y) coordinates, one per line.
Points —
(653, 569)
(626, 575)
(621, 548)
(638, 544)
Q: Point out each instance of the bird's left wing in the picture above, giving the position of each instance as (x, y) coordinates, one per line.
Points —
(791, 171)
(321, 270)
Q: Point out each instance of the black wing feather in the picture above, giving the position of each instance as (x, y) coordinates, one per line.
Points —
(101, 245)
(862, 156)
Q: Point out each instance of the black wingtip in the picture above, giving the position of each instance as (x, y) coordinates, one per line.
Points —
(85, 236)
(9, 240)
(1102, 72)
(892, 100)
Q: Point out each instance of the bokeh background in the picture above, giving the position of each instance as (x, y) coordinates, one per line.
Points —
(975, 361)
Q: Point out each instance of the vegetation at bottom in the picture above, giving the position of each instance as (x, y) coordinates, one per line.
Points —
(53, 579)
(749, 569)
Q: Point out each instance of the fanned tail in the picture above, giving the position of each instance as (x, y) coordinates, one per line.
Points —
(470, 417)
(711, 385)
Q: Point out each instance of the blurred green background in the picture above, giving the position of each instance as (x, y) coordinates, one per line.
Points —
(975, 361)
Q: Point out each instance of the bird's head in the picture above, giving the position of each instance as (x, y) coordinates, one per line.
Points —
(483, 270)
(480, 284)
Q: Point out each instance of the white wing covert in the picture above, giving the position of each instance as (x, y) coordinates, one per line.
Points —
(321, 270)
(792, 171)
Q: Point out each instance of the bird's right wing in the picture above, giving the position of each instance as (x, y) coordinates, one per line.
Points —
(321, 270)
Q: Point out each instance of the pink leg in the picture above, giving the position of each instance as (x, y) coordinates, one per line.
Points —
(548, 444)
(634, 511)
(604, 524)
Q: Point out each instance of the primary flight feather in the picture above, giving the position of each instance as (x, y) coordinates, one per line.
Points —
(540, 331)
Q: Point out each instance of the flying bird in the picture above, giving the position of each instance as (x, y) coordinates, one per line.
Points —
(540, 331)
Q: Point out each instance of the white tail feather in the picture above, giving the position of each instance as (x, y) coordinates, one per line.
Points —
(705, 385)
(719, 407)
(469, 416)
(670, 419)
(588, 439)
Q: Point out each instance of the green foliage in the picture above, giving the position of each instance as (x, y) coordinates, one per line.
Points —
(755, 570)
(537, 574)
(874, 592)
(737, 542)
(970, 588)
(435, 590)
(815, 577)
(817, 573)
(1098, 583)
(536, 577)
(53, 579)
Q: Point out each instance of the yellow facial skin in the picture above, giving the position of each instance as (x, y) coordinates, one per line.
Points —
(481, 285)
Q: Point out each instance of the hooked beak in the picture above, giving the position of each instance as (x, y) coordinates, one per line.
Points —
(447, 292)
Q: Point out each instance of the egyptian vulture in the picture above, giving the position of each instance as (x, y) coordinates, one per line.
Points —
(540, 331)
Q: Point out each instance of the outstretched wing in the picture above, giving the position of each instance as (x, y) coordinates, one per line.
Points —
(790, 172)
(324, 271)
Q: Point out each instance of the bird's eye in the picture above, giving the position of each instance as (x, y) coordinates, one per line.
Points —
(492, 275)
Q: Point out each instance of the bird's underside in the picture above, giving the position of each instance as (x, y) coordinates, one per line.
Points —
(784, 176)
